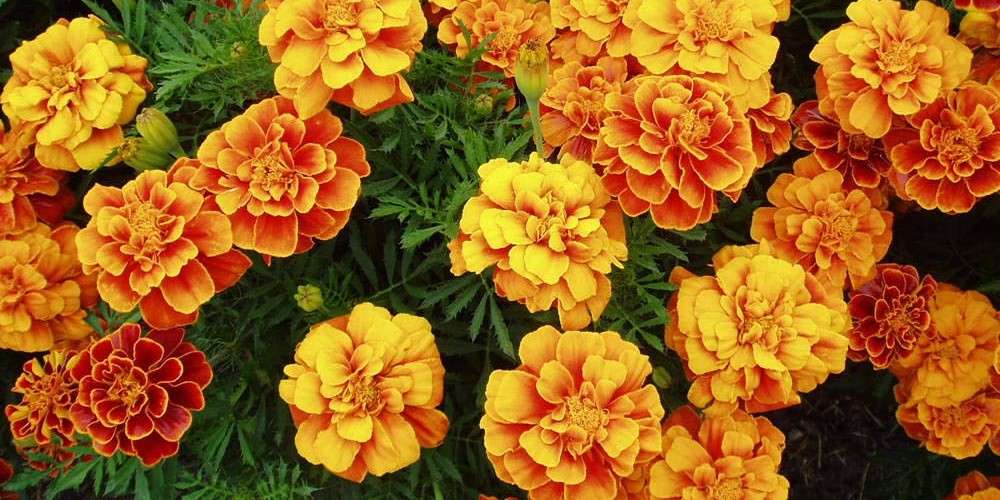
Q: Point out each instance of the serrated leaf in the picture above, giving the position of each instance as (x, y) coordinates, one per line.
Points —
(500, 329)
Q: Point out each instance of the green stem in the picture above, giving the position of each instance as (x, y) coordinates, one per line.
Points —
(536, 127)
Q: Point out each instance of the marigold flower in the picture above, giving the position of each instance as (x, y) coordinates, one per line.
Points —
(954, 364)
(574, 418)
(552, 232)
(590, 29)
(43, 289)
(769, 128)
(511, 23)
(349, 51)
(137, 392)
(725, 456)
(890, 314)
(958, 430)
(282, 180)
(982, 5)
(740, 333)
(975, 486)
(886, 62)
(363, 392)
(23, 181)
(951, 158)
(572, 108)
(728, 41)
(155, 244)
(78, 88)
(980, 29)
(669, 144)
(47, 392)
(783, 8)
(53, 457)
(863, 161)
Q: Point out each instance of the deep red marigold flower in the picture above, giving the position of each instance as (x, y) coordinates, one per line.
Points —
(669, 144)
(137, 392)
(951, 158)
(155, 244)
(282, 180)
(23, 181)
(975, 486)
(47, 392)
(890, 314)
(862, 161)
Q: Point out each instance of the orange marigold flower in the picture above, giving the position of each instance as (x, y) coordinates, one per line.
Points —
(43, 290)
(980, 29)
(725, 456)
(510, 23)
(572, 108)
(349, 51)
(23, 182)
(76, 88)
(958, 430)
(137, 392)
(728, 41)
(590, 29)
(886, 62)
(739, 332)
(559, 429)
(363, 392)
(863, 161)
(835, 233)
(975, 486)
(954, 364)
(669, 144)
(47, 392)
(890, 314)
(983, 5)
(155, 244)
(769, 127)
(550, 230)
(283, 181)
(951, 158)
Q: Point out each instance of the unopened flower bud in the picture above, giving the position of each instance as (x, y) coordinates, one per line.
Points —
(137, 153)
(661, 377)
(158, 131)
(532, 69)
(483, 104)
(309, 298)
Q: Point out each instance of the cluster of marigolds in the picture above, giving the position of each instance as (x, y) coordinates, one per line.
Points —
(650, 106)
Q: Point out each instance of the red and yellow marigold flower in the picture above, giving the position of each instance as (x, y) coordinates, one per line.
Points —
(758, 333)
(44, 293)
(958, 430)
(669, 144)
(574, 417)
(975, 486)
(510, 23)
(352, 52)
(75, 88)
(23, 182)
(47, 393)
(572, 108)
(769, 127)
(863, 161)
(282, 180)
(982, 5)
(155, 244)
(728, 41)
(552, 233)
(590, 29)
(136, 393)
(725, 456)
(980, 29)
(954, 364)
(886, 62)
(890, 314)
(951, 157)
(363, 392)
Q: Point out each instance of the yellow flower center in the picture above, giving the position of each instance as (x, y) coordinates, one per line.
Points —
(41, 392)
(692, 128)
(584, 414)
(952, 417)
(898, 58)
(59, 77)
(271, 174)
(714, 23)
(126, 390)
(340, 13)
(728, 489)
(841, 228)
(365, 395)
(129, 148)
(958, 146)
(506, 38)
(144, 219)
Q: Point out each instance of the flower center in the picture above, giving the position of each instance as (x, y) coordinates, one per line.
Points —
(713, 23)
(584, 414)
(126, 389)
(859, 144)
(271, 174)
(841, 227)
(952, 416)
(898, 58)
(506, 38)
(365, 395)
(59, 77)
(42, 391)
(144, 219)
(958, 146)
(692, 128)
(340, 13)
(730, 488)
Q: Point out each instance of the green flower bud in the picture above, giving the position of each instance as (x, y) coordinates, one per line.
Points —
(483, 104)
(309, 298)
(662, 378)
(136, 153)
(158, 131)
(532, 70)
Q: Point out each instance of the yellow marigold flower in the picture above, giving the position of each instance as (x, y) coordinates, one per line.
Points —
(43, 291)
(363, 391)
(725, 457)
(954, 364)
(980, 29)
(572, 108)
(590, 29)
(783, 8)
(959, 430)
(309, 297)
(47, 392)
(349, 51)
(728, 41)
(758, 333)
(886, 62)
(975, 486)
(550, 230)
(27, 188)
(78, 87)
(511, 23)
(574, 418)
(833, 232)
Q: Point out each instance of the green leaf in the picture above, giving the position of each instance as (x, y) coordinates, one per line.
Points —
(500, 329)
